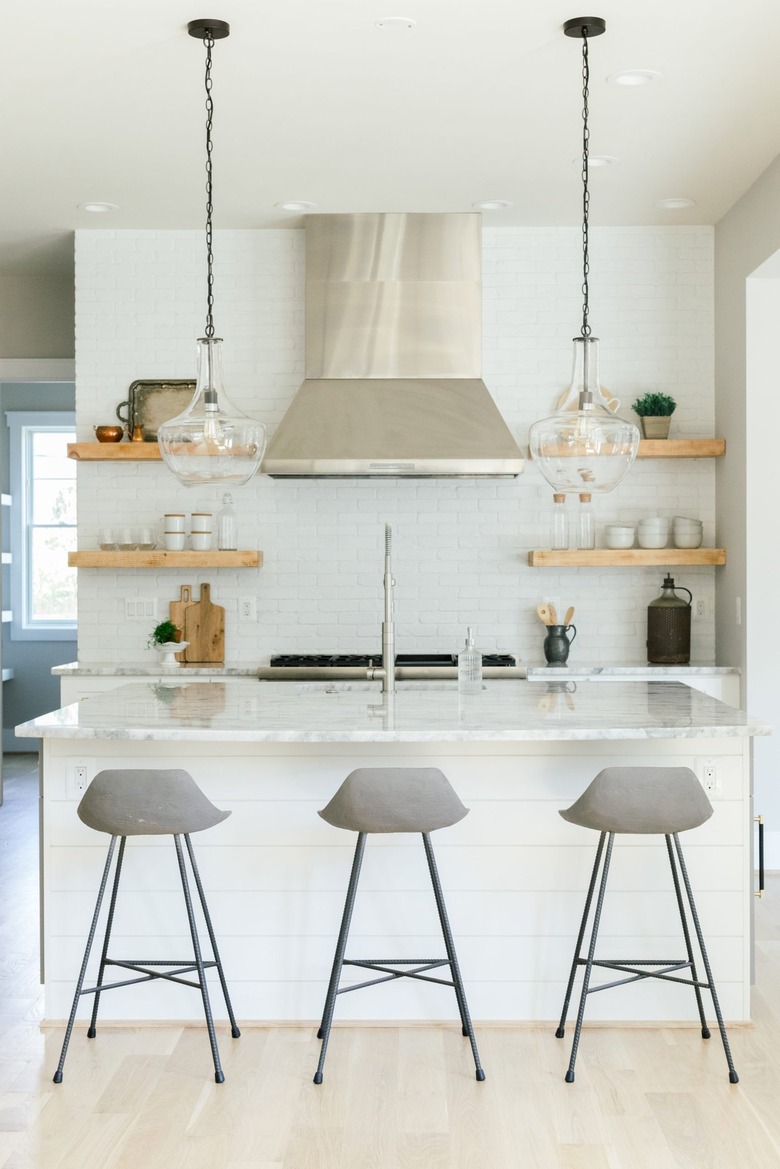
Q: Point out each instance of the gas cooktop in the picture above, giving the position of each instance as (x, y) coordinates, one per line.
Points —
(344, 661)
(408, 667)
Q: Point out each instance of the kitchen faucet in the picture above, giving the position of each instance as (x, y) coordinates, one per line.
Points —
(388, 630)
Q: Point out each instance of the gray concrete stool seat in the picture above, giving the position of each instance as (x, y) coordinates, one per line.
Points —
(654, 800)
(150, 802)
(394, 799)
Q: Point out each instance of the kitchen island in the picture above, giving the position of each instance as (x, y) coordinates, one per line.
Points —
(514, 872)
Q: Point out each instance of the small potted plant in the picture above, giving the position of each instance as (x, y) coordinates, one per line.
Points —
(655, 413)
(166, 639)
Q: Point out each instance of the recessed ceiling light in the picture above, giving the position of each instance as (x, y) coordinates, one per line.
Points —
(676, 203)
(396, 22)
(596, 160)
(99, 208)
(492, 205)
(296, 205)
(634, 77)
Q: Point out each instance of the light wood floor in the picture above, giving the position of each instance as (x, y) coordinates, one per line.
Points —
(393, 1098)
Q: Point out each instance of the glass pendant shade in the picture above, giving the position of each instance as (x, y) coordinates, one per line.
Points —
(211, 441)
(584, 446)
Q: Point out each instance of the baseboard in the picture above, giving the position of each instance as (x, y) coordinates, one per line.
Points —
(383, 1024)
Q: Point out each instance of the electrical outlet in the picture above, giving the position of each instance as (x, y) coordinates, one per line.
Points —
(700, 607)
(247, 609)
(78, 778)
(709, 778)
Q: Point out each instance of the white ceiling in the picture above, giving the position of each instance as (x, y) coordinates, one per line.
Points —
(103, 100)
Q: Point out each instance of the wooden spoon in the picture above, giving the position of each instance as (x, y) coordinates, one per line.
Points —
(544, 615)
(569, 615)
(553, 614)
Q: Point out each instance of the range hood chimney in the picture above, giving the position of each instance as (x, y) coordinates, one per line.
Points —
(393, 355)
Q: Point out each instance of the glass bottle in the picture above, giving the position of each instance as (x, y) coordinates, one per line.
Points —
(559, 526)
(470, 666)
(586, 523)
(227, 525)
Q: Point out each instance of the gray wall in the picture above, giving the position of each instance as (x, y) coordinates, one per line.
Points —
(746, 484)
(33, 690)
(36, 316)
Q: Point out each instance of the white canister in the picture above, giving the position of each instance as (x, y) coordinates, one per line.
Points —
(201, 541)
(174, 541)
(201, 521)
(173, 521)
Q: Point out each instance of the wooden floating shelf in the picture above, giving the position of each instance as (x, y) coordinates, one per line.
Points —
(149, 452)
(681, 448)
(628, 558)
(123, 452)
(164, 559)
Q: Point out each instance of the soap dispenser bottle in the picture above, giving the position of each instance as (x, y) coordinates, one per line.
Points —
(470, 666)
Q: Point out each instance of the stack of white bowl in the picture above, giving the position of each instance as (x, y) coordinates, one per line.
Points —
(653, 533)
(687, 533)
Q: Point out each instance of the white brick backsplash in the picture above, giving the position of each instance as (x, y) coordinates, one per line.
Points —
(460, 547)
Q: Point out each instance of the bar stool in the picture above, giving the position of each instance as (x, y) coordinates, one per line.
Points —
(657, 800)
(394, 799)
(149, 802)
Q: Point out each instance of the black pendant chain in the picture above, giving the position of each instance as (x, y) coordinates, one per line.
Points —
(208, 41)
(209, 31)
(585, 330)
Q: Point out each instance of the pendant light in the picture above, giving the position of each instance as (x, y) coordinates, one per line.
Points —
(211, 441)
(584, 447)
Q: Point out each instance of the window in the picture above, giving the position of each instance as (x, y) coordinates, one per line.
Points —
(43, 526)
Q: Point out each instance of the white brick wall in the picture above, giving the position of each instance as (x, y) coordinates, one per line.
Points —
(460, 547)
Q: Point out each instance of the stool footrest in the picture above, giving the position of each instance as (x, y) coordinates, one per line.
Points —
(142, 968)
(383, 966)
(629, 965)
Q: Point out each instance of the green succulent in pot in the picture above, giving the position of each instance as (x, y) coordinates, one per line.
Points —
(164, 634)
(654, 405)
(655, 411)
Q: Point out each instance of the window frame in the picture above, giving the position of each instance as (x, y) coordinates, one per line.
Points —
(22, 424)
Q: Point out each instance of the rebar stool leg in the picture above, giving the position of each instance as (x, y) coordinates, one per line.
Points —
(559, 1034)
(83, 972)
(219, 1075)
(591, 954)
(705, 1031)
(234, 1031)
(92, 1030)
(733, 1077)
(449, 943)
(338, 957)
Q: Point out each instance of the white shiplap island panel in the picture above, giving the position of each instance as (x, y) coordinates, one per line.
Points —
(515, 873)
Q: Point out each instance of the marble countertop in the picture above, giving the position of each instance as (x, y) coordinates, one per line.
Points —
(511, 711)
(152, 669)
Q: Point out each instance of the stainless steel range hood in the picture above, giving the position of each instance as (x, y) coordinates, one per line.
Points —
(393, 355)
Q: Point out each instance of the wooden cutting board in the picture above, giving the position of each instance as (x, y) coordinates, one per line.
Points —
(204, 629)
(177, 610)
